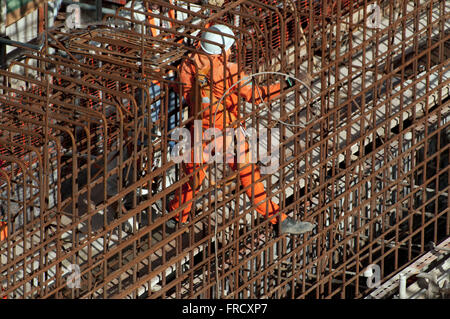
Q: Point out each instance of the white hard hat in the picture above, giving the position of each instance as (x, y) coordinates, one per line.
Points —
(227, 42)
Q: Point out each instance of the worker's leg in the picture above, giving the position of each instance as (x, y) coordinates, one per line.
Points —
(250, 179)
(256, 189)
(269, 208)
(251, 182)
(187, 193)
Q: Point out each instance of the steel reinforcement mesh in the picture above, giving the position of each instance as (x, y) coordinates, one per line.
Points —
(86, 170)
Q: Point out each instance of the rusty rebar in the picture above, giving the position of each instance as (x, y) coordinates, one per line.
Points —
(86, 173)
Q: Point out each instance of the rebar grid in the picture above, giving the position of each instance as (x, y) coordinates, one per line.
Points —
(86, 173)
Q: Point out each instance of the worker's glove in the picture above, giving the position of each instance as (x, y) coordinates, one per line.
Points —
(290, 82)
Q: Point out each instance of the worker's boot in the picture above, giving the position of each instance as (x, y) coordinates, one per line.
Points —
(293, 227)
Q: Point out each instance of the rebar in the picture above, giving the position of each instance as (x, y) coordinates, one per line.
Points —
(86, 171)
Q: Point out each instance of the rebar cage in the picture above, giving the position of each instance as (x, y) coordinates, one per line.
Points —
(86, 171)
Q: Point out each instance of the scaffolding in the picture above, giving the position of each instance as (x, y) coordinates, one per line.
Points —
(86, 171)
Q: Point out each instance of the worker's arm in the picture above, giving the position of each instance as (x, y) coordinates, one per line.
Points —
(261, 93)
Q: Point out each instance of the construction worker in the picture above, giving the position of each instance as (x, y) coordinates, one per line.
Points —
(3, 230)
(224, 75)
(3, 223)
(160, 21)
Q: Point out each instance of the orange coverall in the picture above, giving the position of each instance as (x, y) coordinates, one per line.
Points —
(187, 77)
(3, 230)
